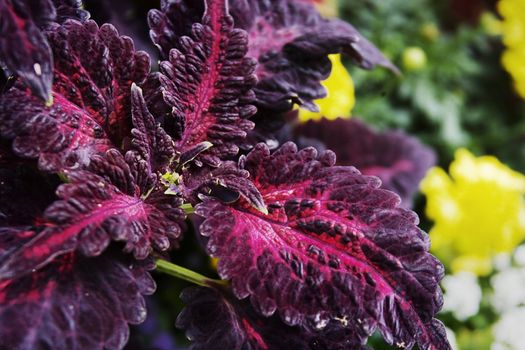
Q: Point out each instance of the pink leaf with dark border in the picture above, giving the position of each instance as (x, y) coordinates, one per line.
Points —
(74, 303)
(93, 72)
(92, 211)
(399, 160)
(207, 83)
(333, 247)
(289, 39)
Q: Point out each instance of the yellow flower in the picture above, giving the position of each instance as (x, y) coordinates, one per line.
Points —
(513, 29)
(491, 24)
(340, 99)
(478, 211)
(328, 8)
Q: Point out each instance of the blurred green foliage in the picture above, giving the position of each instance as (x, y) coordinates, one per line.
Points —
(460, 97)
(453, 92)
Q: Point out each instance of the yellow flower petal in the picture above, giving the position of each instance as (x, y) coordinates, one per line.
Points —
(478, 211)
(327, 8)
(513, 30)
(340, 97)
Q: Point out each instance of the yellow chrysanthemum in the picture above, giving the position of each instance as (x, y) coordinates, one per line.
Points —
(513, 30)
(478, 211)
(340, 97)
(328, 8)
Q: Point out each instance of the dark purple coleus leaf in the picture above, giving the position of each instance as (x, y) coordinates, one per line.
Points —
(23, 45)
(333, 247)
(174, 20)
(226, 183)
(206, 82)
(94, 69)
(95, 207)
(271, 128)
(129, 17)
(214, 319)
(74, 303)
(289, 39)
(399, 160)
(291, 42)
(70, 9)
(118, 197)
(6, 80)
(151, 334)
(152, 150)
(52, 295)
(24, 191)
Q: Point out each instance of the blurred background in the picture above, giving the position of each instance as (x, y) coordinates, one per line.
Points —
(461, 93)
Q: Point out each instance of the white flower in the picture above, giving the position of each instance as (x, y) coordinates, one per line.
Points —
(502, 261)
(508, 331)
(509, 289)
(519, 255)
(451, 336)
(462, 295)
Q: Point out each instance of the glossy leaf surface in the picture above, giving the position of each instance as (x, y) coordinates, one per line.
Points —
(207, 83)
(74, 303)
(93, 73)
(333, 246)
(399, 160)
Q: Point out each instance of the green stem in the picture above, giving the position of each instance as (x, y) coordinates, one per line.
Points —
(188, 208)
(186, 274)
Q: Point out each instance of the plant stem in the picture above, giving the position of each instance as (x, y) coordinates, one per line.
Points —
(188, 208)
(186, 274)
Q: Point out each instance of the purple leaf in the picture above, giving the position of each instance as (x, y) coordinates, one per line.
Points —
(291, 42)
(399, 160)
(70, 9)
(333, 246)
(95, 68)
(129, 18)
(61, 136)
(152, 146)
(24, 191)
(174, 20)
(271, 128)
(215, 319)
(6, 81)
(23, 46)
(93, 72)
(214, 183)
(92, 211)
(207, 84)
(289, 39)
(74, 303)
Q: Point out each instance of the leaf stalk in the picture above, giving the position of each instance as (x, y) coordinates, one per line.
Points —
(187, 274)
